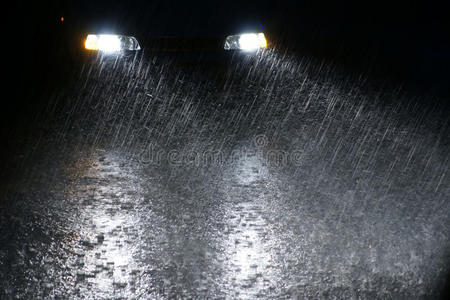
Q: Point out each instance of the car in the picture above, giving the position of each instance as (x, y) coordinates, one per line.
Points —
(194, 30)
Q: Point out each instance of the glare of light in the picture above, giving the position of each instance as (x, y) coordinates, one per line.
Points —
(249, 41)
(245, 41)
(262, 40)
(103, 42)
(91, 42)
(108, 42)
(62, 19)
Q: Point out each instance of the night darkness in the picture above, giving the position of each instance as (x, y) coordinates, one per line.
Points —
(318, 167)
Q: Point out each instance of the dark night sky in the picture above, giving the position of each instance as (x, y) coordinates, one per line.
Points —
(419, 24)
(370, 18)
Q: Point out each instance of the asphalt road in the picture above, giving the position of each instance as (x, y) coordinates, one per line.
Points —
(275, 177)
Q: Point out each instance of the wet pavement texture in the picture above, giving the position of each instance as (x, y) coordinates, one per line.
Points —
(274, 177)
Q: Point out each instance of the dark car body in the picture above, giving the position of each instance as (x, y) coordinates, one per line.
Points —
(187, 32)
(172, 26)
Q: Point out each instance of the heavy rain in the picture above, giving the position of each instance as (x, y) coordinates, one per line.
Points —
(271, 176)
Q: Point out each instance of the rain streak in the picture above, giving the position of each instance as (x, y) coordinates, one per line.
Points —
(275, 177)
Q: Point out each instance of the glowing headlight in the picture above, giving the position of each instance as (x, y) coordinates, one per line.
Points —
(245, 41)
(110, 42)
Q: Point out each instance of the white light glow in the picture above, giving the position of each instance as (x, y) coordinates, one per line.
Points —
(249, 41)
(108, 43)
(103, 42)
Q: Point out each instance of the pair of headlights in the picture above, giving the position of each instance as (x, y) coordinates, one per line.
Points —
(114, 43)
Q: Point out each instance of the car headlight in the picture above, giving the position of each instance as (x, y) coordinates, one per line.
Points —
(245, 41)
(110, 42)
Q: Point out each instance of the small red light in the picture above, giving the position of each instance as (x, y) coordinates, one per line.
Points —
(62, 19)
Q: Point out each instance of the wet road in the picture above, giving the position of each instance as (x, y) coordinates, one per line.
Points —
(277, 178)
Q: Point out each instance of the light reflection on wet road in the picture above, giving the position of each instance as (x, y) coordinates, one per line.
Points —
(105, 264)
(250, 261)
